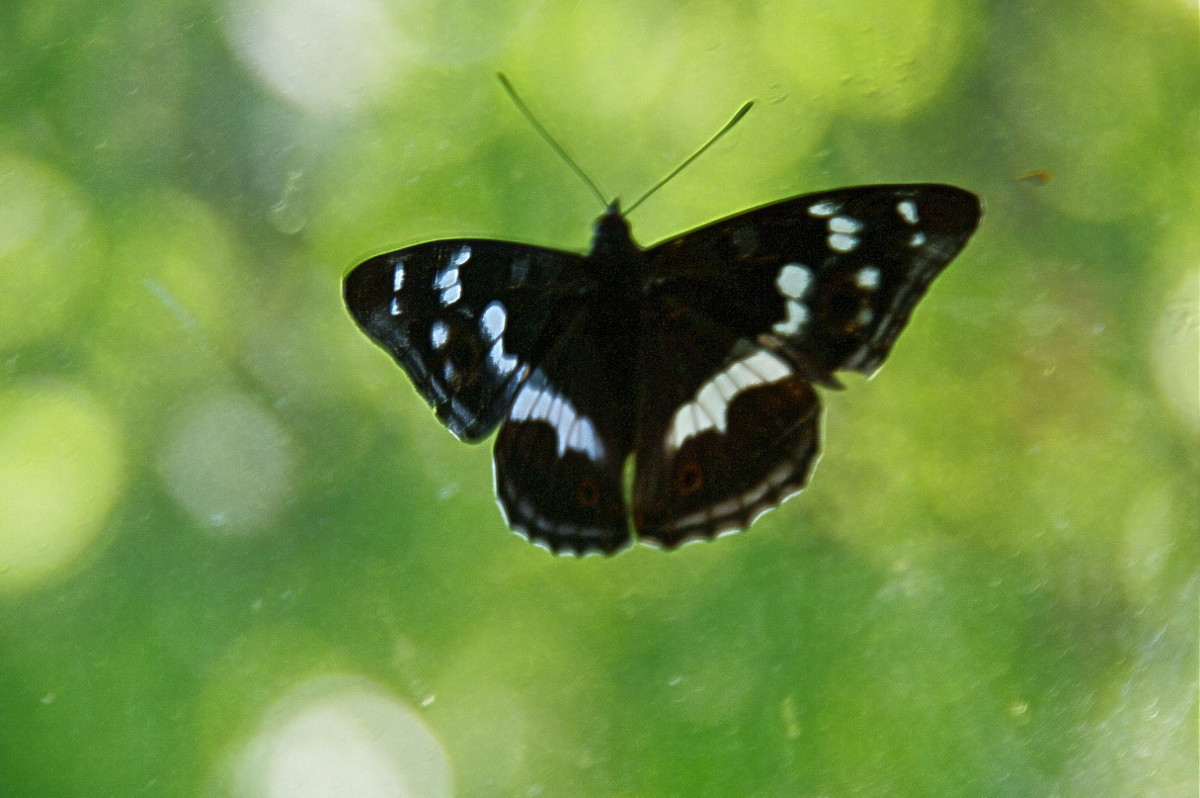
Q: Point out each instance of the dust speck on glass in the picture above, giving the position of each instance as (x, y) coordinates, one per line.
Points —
(698, 356)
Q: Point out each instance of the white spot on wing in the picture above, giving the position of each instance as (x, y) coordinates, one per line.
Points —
(462, 256)
(398, 277)
(709, 398)
(523, 404)
(683, 426)
(797, 315)
(582, 438)
(504, 363)
(493, 320)
(709, 409)
(541, 408)
(793, 280)
(741, 375)
(395, 309)
(725, 386)
(917, 240)
(448, 283)
(439, 334)
(844, 224)
(841, 242)
(555, 413)
(492, 324)
(867, 278)
(766, 367)
(823, 209)
(908, 210)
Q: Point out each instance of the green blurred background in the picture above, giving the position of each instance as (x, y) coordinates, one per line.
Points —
(238, 556)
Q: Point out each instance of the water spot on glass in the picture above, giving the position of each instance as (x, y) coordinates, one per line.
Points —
(288, 215)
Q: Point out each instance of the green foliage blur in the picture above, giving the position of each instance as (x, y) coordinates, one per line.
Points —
(239, 557)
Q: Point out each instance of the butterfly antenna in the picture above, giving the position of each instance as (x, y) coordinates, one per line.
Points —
(545, 134)
(745, 109)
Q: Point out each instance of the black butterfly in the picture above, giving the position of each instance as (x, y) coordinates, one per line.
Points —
(697, 356)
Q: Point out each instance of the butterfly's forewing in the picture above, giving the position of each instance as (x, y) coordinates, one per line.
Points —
(467, 319)
(832, 277)
(561, 452)
(757, 308)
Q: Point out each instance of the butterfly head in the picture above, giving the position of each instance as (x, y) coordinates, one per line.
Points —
(612, 216)
(610, 236)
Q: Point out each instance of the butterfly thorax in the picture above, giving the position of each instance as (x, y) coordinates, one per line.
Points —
(615, 261)
(613, 321)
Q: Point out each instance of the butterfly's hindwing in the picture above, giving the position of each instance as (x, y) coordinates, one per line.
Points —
(466, 319)
(561, 452)
(726, 430)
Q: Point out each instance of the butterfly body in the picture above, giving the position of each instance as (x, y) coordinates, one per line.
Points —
(696, 357)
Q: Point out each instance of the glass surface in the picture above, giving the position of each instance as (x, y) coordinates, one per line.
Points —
(239, 557)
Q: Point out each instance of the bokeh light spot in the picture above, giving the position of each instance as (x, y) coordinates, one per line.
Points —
(62, 466)
(341, 736)
(47, 249)
(878, 60)
(228, 463)
(324, 56)
(590, 48)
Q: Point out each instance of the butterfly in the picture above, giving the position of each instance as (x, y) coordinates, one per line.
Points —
(698, 358)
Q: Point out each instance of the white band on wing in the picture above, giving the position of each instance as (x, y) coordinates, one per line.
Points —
(709, 409)
(539, 401)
